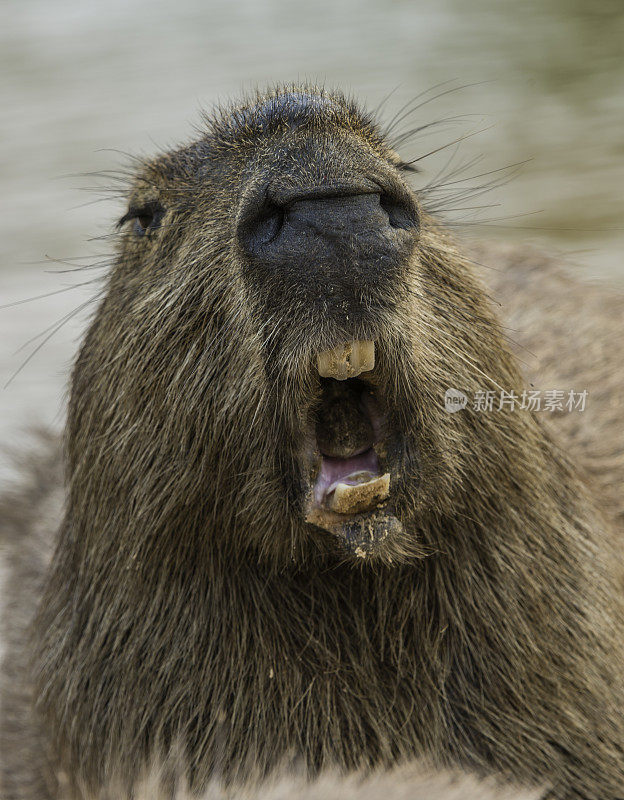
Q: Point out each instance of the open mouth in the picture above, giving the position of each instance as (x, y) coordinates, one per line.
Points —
(351, 482)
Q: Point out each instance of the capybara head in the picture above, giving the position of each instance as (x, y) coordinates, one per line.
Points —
(268, 367)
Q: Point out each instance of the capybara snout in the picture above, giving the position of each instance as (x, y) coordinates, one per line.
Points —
(341, 243)
(328, 246)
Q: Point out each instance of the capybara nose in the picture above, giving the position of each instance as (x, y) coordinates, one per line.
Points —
(323, 230)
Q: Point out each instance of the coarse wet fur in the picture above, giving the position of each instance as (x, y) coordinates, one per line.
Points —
(189, 601)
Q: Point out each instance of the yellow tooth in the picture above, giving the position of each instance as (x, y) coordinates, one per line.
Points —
(347, 360)
(347, 499)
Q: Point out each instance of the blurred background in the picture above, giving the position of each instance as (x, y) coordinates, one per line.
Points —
(84, 82)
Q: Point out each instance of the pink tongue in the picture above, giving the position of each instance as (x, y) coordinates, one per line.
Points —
(340, 470)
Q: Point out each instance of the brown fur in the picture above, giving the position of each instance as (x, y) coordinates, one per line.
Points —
(188, 599)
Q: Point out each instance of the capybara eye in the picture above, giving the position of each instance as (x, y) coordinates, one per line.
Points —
(146, 218)
(399, 215)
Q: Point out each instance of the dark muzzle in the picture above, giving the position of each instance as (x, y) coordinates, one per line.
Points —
(323, 245)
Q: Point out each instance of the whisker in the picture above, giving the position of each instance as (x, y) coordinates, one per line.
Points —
(57, 326)
(48, 294)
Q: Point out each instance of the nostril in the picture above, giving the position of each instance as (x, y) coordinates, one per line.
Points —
(261, 225)
(399, 215)
(290, 224)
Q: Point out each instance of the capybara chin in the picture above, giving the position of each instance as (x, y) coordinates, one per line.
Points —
(277, 544)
